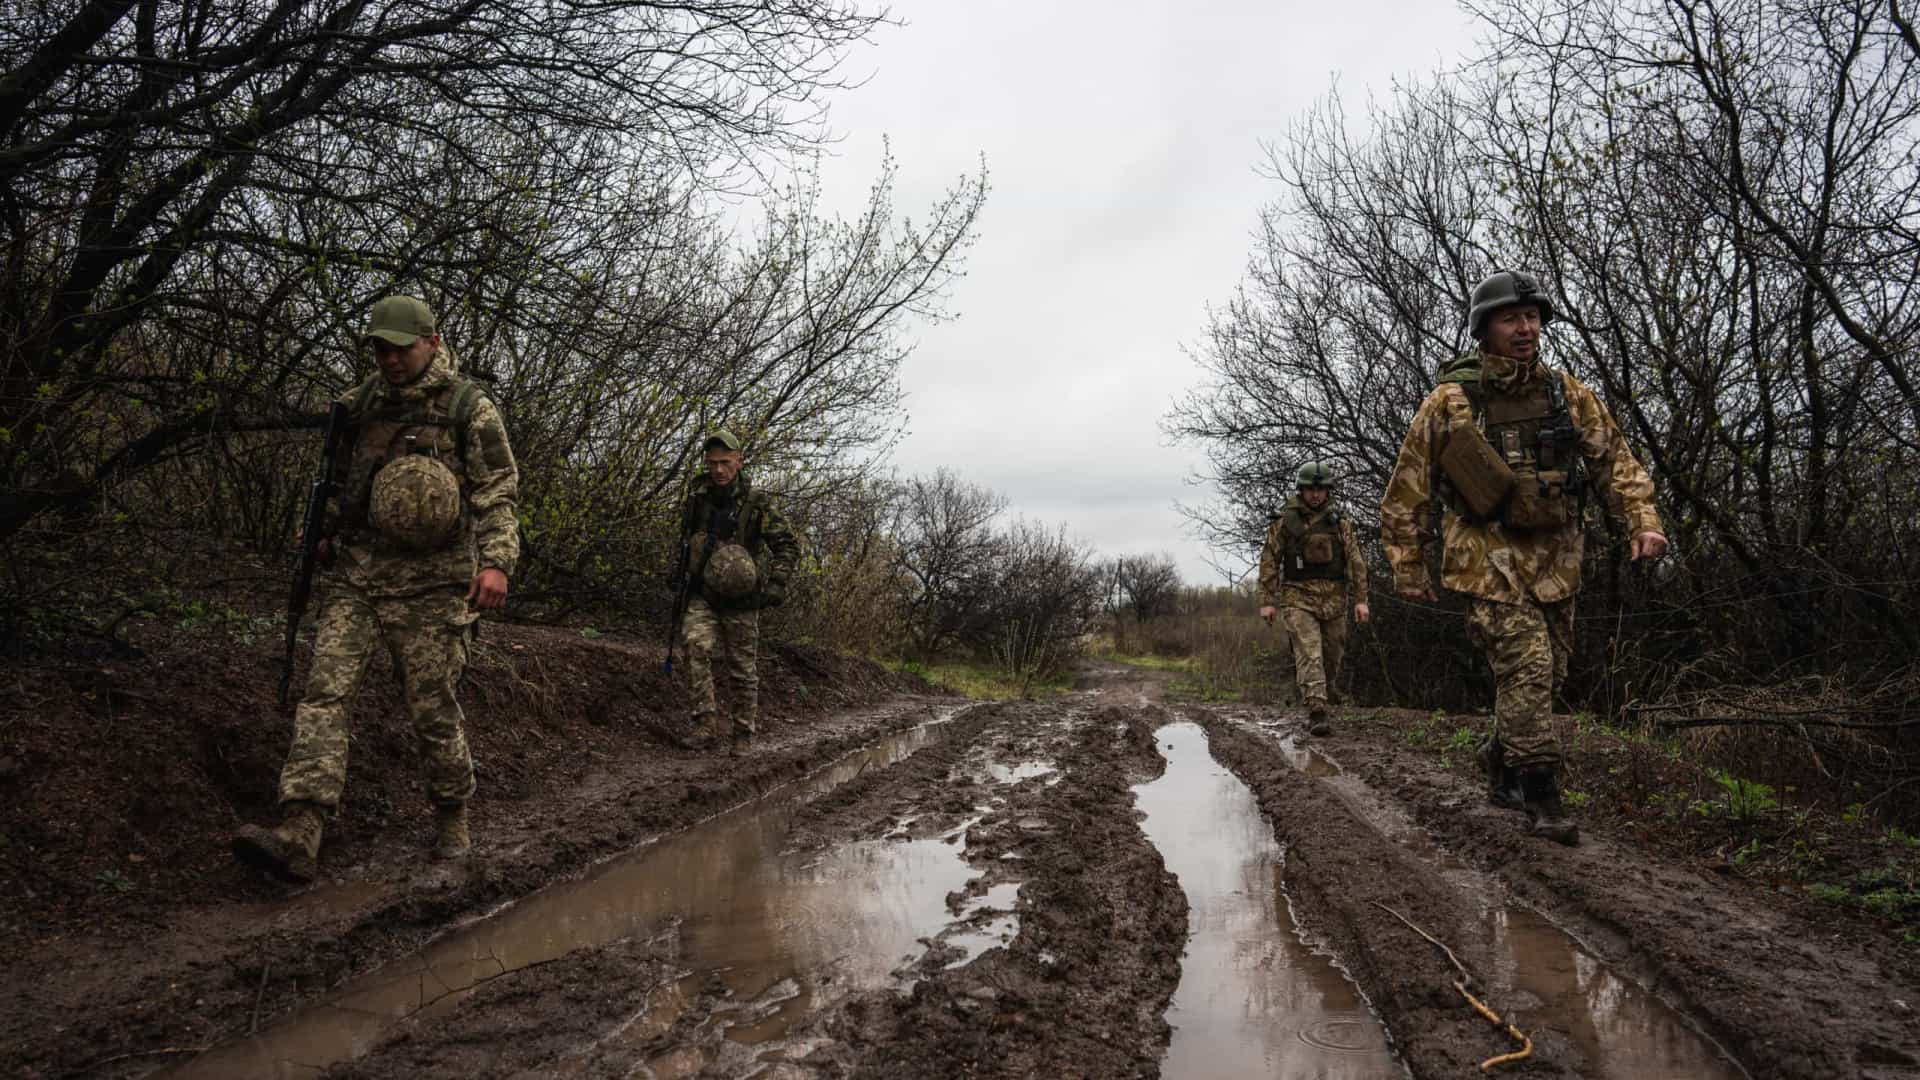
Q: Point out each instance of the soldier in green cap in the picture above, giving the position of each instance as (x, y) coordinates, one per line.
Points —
(1506, 447)
(422, 539)
(736, 553)
(1311, 567)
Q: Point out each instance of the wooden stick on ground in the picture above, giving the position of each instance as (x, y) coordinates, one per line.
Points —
(1460, 985)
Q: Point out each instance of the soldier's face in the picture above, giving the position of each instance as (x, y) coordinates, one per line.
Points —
(722, 466)
(1314, 497)
(401, 364)
(1514, 331)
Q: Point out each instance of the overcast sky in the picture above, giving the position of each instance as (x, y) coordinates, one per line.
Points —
(1121, 141)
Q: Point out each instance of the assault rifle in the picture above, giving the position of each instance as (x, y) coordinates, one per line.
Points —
(324, 488)
(685, 591)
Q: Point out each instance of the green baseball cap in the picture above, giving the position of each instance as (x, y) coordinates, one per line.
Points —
(722, 438)
(398, 320)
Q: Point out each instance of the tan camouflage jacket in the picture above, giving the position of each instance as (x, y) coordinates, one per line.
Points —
(1326, 598)
(490, 534)
(1487, 560)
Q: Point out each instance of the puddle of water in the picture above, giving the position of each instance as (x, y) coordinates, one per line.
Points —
(1625, 1032)
(1013, 774)
(1308, 761)
(769, 924)
(1252, 1000)
(1542, 976)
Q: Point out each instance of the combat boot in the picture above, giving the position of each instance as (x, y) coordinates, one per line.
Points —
(450, 837)
(1318, 723)
(1549, 818)
(1503, 785)
(291, 850)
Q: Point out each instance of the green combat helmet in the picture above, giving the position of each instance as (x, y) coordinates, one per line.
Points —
(415, 503)
(1314, 474)
(731, 573)
(1501, 288)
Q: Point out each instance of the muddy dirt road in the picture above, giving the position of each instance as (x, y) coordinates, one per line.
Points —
(1103, 884)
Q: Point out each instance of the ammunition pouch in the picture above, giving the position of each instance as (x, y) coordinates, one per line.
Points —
(1317, 549)
(1476, 472)
(1539, 500)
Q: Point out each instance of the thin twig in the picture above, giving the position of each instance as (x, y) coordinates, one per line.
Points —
(1460, 986)
(259, 995)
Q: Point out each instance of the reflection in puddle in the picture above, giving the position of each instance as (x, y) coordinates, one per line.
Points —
(780, 931)
(1252, 1000)
(1026, 770)
(1542, 977)
(1625, 1032)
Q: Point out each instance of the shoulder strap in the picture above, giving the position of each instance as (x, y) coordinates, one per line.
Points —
(363, 396)
(1556, 390)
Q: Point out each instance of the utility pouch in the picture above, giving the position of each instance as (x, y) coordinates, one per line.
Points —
(1539, 500)
(1318, 549)
(1476, 471)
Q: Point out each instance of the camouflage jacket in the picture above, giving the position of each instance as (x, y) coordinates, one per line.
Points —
(1488, 560)
(758, 524)
(1326, 598)
(477, 452)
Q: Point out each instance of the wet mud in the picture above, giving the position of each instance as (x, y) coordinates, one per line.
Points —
(1097, 885)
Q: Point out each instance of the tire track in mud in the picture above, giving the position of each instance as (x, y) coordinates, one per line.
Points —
(251, 964)
(1783, 994)
(1033, 796)
(1338, 867)
(1083, 987)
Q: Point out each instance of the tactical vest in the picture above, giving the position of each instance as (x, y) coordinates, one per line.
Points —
(1312, 549)
(1534, 435)
(388, 430)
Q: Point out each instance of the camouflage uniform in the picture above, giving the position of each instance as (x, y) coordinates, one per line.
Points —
(1522, 582)
(740, 513)
(416, 601)
(1313, 609)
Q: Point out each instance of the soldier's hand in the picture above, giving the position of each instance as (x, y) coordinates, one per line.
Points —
(1423, 593)
(323, 552)
(489, 590)
(1267, 612)
(1649, 545)
(1362, 613)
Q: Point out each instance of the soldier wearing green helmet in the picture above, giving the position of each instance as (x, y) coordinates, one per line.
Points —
(1507, 447)
(419, 541)
(736, 553)
(1311, 567)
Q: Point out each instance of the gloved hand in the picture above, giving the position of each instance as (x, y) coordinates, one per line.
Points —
(772, 594)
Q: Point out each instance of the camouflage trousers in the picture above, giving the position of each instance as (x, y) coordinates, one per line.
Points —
(736, 635)
(426, 637)
(1527, 644)
(1319, 647)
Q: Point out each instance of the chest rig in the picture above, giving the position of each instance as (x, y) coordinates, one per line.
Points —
(1532, 438)
(1311, 546)
(388, 430)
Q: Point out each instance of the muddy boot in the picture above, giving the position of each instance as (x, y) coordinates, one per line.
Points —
(1503, 786)
(1549, 818)
(1318, 723)
(741, 742)
(291, 850)
(451, 840)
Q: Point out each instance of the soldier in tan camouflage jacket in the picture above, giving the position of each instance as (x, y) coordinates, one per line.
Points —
(422, 539)
(1502, 444)
(1310, 566)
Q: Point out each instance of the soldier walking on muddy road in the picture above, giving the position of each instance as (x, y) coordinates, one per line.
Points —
(1310, 567)
(422, 539)
(736, 553)
(1502, 443)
